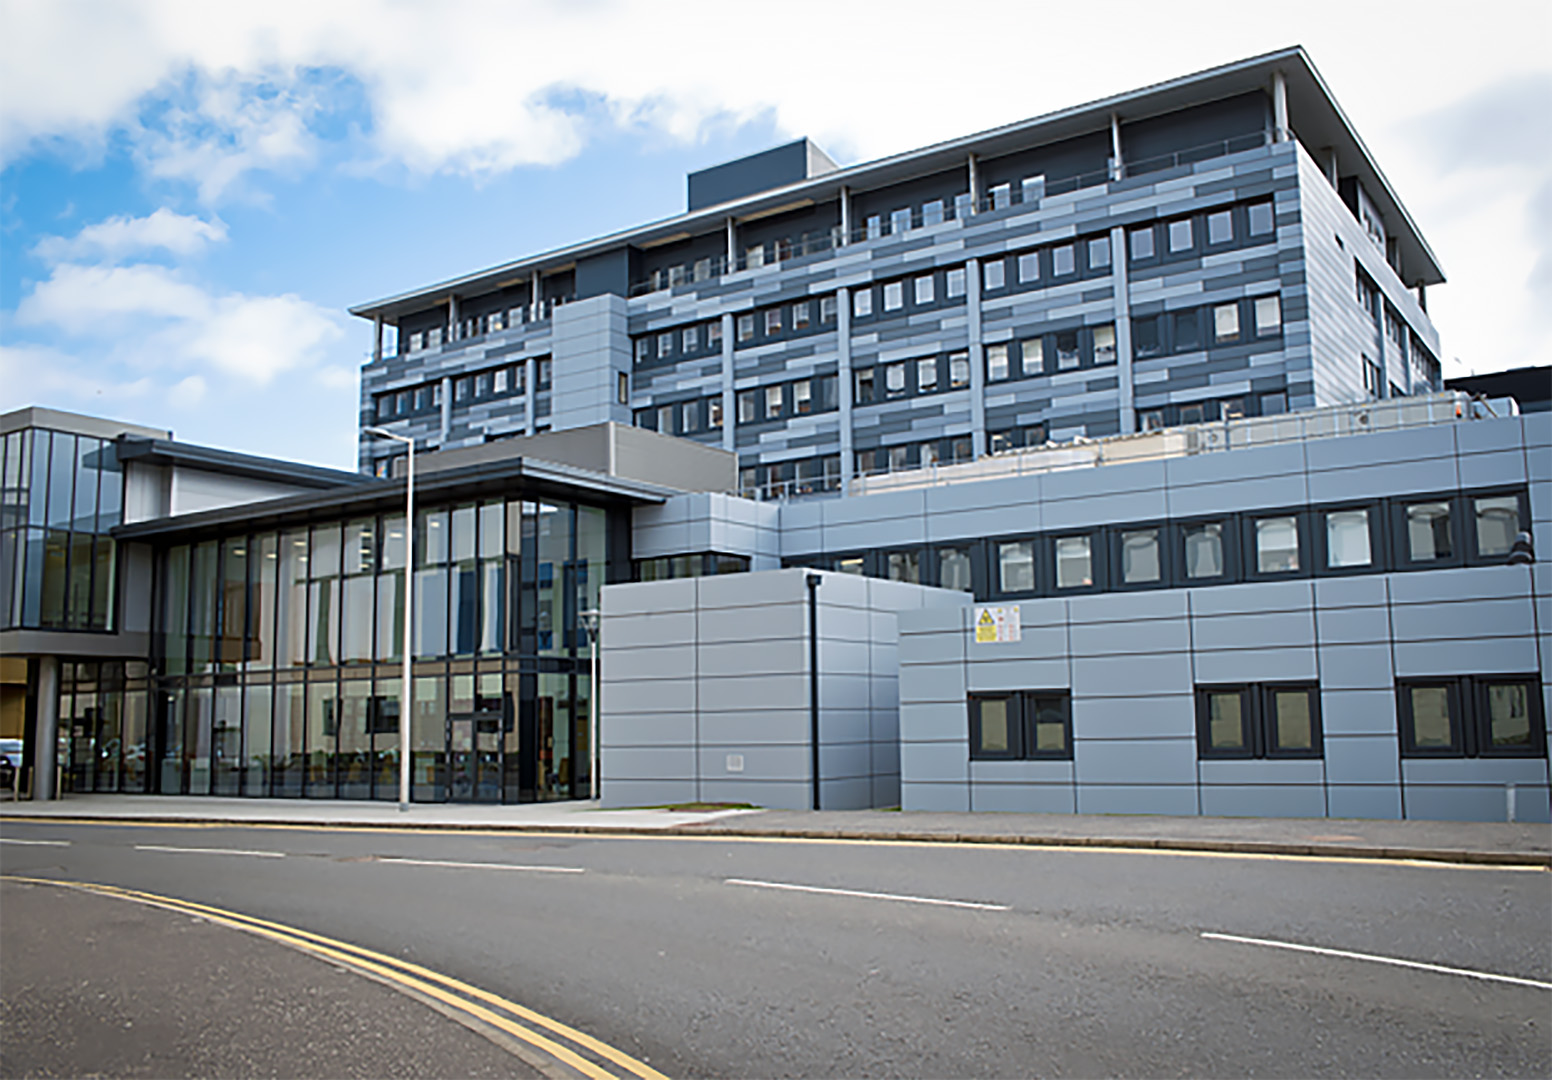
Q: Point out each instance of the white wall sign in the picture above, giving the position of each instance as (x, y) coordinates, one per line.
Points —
(994, 624)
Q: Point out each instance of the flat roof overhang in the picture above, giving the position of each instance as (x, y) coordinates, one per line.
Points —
(527, 478)
(1317, 121)
(231, 463)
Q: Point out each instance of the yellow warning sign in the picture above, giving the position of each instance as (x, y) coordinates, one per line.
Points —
(994, 624)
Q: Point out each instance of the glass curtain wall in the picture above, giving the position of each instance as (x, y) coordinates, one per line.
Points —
(279, 674)
(60, 496)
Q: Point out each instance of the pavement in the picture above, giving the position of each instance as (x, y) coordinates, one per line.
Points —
(1496, 843)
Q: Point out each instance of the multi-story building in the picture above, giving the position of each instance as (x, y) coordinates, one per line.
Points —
(1221, 245)
(1100, 462)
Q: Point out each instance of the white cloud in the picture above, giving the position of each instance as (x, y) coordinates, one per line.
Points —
(33, 373)
(117, 237)
(150, 317)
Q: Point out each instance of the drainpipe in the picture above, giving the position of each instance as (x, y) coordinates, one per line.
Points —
(813, 581)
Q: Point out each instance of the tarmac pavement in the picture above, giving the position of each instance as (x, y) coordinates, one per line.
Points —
(1501, 843)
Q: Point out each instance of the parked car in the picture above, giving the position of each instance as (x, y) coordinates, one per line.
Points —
(10, 761)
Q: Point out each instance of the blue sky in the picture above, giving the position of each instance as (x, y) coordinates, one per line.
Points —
(192, 194)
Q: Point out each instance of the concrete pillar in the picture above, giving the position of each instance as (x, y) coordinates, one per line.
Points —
(530, 379)
(45, 750)
(454, 331)
(845, 216)
(729, 399)
(447, 409)
(1279, 107)
(1126, 394)
(1117, 165)
(974, 175)
(535, 297)
(1332, 175)
(1422, 296)
(844, 385)
(977, 358)
(732, 246)
(377, 339)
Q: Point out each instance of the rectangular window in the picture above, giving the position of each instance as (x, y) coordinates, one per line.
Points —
(690, 416)
(993, 274)
(894, 296)
(1269, 315)
(1226, 323)
(1272, 720)
(1180, 236)
(900, 221)
(862, 303)
(1498, 523)
(932, 212)
(1429, 537)
(1277, 544)
(1480, 716)
(754, 256)
(1146, 339)
(1141, 241)
(1187, 332)
(773, 322)
(903, 566)
(1016, 566)
(1151, 420)
(1031, 355)
(701, 270)
(1202, 545)
(482, 384)
(1099, 253)
(714, 411)
(622, 388)
(1260, 219)
(899, 458)
(1029, 267)
(999, 442)
(499, 384)
(748, 406)
(1064, 260)
(417, 341)
(773, 397)
(1105, 344)
(802, 397)
(690, 340)
(924, 289)
(1001, 196)
(714, 334)
(1220, 227)
(433, 337)
(927, 375)
(996, 363)
(953, 566)
(1140, 561)
(1021, 725)
(864, 380)
(463, 388)
(1074, 562)
(800, 315)
(665, 419)
(954, 282)
(745, 328)
(827, 309)
(894, 380)
(927, 454)
(958, 370)
(665, 346)
(1067, 355)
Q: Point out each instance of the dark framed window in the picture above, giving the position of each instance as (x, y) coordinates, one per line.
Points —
(1492, 521)
(1207, 552)
(1140, 556)
(1276, 544)
(1471, 716)
(1014, 565)
(1027, 725)
(1427, 532)
(1348, 540)
(1077, 562)
(1258, 720)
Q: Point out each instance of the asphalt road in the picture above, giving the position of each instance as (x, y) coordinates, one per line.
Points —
(713, 957)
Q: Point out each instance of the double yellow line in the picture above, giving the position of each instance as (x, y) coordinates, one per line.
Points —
(552, 1040)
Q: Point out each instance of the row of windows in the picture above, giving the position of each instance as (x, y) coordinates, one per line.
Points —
(702, 564)
(476, 325)
(910, 378)
(1457, 716)
(953, 450)
(504, 381)
(776, 401)
(781, 479)
(1422, 532)
(1270, 403)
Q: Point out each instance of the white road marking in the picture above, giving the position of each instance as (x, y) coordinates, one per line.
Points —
(35, 843)
(868, 895)
(211, 851)
(1391, 960)
(487, 866)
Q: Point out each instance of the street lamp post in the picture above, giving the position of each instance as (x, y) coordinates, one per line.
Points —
(409, 610)
(591, 621)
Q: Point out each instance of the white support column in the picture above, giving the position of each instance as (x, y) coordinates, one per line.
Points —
(1117, 164)
(1279, 107)
(977, 359)
(845, 216)
(732, 246)
(530, 378)
(1126, 394)
(535, 294)
(844, 385)
(729, 399)
(447, 408)
(1333, 174)
(453, 329)
(974, 176)
(44, 750)
(377, 339)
